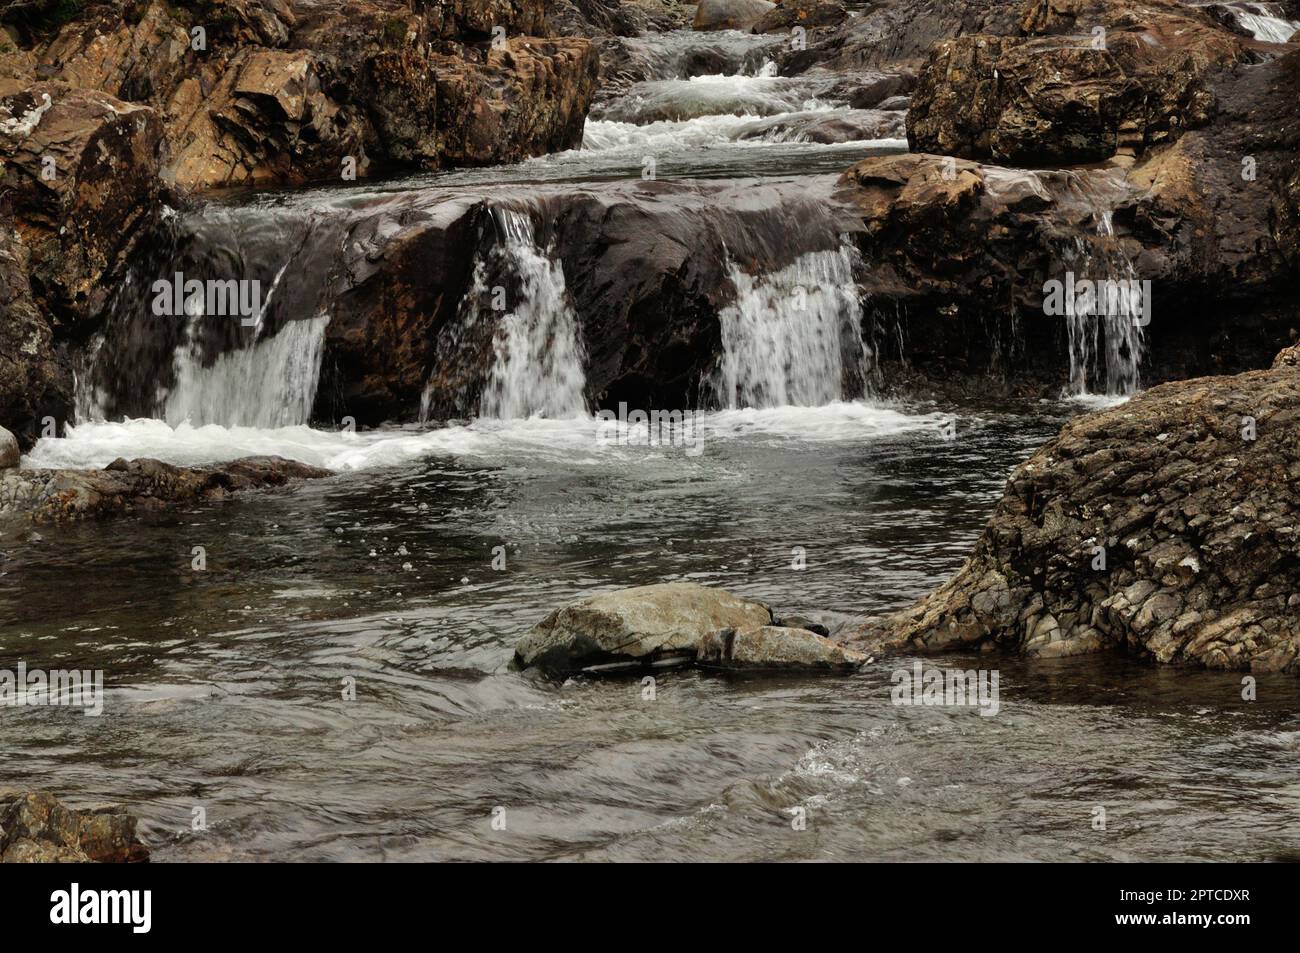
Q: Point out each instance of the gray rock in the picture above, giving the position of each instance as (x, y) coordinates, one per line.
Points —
(730, 14)
(775, 647)
(9, 452)
(802, 622)
(641, 626)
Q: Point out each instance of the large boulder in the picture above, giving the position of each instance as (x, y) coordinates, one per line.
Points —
(641, 626)
(10, 455)
(1164, 526)
(729, 14)
(808, 14)
(1092, 79)
(36, 828)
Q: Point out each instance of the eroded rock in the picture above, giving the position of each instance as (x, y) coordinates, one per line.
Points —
(1164, 526)
(730, 14)
(640, 626)
(36, 828)
(775, 647)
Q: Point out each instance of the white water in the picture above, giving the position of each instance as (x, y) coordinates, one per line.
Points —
(1119, 331)
(1264, 23)
(574, 441)
(538, 358)
(271, 384)
(786, 337)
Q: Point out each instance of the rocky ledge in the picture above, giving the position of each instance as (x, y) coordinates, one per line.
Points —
(128, 485)
(36, 829)
(1168, 526)
(677, 624)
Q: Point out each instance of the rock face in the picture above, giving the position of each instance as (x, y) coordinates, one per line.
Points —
(259, 92)
(641, 626)
(36, 829)
(809, 14)
(1091, 79)
(1165, 526)
(730, 14)
(127, 485)
(775, 647)
(961, 249)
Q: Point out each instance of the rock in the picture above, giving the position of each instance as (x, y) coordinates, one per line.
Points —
(808, 14)
(37, 828)
(775, 647)
(80, 169)
(124, 486)
(802, 622)
(730, 14)
(1190, 491)
(640, 626)
(10, 454)
(1052, 98)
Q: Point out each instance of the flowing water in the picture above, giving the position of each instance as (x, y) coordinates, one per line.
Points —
(409, 576)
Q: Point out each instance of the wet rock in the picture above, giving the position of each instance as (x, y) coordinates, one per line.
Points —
(9, 452)
(640, 626)
(775, 647)
(79, 175)
(288, 93)
(1066, 94)
(802, 622)
(37, 828)
(1163, 526)
(128, 485)
(808, 14)
(730, 14)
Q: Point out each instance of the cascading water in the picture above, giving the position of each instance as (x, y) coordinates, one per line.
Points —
(793, 336)
(270, 384)
(1114, 329)
(1266, 22)
(537, 368)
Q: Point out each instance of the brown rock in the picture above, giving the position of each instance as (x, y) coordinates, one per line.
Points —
(808, 14)
(35, 828)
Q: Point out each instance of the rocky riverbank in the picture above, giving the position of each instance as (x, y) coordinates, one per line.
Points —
(35, 828)
(1164, 527)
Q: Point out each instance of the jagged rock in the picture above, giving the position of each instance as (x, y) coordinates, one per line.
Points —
(1164, 526)
(775, 647)
(37, 828)
(286, 93)
(33, 381)
(1065, 95)
(79, 175)
(730, 14)
(9, 452)
(640, 626)
(127, 485)
(808, 14)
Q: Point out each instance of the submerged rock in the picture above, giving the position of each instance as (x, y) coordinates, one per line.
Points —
(1165, 526)
(775, 647)
(639, 626)
(35, 828)
(127, 485)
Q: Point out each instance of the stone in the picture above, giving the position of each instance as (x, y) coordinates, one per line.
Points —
(10, 454)
(36, 828)
(775, 647)
(1207, 521)
(809, 14)
(639, 626)
(730, 14)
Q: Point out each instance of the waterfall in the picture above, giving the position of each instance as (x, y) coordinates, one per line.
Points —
(537, 368)
(269, 384)
(1116, 333)
(1266, 23)
(793, 336)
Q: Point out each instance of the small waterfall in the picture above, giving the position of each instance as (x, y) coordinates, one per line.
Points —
(793, 336)
(270, 384)
(1116, 333)
(538, 359)
(1266, 22)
